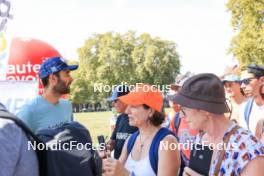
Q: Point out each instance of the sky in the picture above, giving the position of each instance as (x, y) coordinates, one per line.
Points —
(200, 28)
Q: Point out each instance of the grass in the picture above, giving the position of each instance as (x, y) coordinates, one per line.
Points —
(98, 123)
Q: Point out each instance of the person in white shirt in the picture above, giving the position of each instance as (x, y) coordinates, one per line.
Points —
(252, 79)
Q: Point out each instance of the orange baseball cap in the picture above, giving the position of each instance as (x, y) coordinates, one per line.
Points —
(144, 94)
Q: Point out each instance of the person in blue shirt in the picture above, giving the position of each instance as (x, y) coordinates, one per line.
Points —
(49, 110)
(122, 128)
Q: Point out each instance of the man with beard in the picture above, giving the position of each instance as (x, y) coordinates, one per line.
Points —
(49, 110)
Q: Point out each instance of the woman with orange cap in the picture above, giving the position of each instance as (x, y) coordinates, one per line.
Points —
(148, 151)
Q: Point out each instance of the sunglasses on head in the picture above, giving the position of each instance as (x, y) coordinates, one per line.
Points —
(246, 81)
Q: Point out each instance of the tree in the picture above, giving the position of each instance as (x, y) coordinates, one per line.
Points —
(112, 59)
(156, 61)
(248, 20)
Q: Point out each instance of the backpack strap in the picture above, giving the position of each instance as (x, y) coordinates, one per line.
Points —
(19, 123)
(222, 154)
(131, 142)
(248, 109)
(154, 148)
(31, 137)
(177, 122)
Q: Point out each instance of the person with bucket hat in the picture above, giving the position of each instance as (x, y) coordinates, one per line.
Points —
(235, 95)
(252, 81)
(142, 153)
(202, 100)
(122, 128)
(49, 110)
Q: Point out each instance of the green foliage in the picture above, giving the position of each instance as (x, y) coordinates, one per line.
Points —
(112, 58)
(248, 20)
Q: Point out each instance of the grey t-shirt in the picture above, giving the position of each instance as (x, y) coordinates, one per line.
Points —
(15, 158)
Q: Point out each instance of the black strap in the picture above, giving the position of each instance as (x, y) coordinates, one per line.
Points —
(177, 122)
(20, 123)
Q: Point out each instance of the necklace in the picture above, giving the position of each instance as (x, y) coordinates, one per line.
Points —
(142, 143)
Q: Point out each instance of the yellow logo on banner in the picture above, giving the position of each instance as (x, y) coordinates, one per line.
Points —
(3, 43)
(3, 55)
